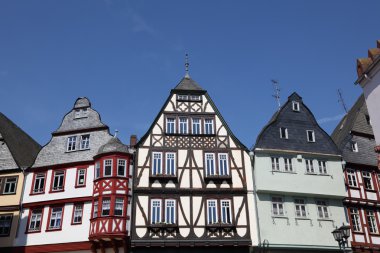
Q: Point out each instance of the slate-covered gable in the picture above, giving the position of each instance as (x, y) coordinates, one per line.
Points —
(297, 123)
(55, 152)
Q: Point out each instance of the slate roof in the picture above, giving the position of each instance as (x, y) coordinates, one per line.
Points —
(188, 84)
(113, 145)
(297, 123)
(355, 128)
(55, 152)
(22, 147)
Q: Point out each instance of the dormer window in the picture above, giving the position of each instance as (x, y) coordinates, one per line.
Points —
(310, 135)
(296, 106)
(80, 113)
(283, 133)
(354, 146)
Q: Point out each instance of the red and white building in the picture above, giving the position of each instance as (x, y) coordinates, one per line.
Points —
(70, 174)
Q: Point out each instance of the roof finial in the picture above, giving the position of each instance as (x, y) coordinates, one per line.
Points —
(187, 66)
(116, 132)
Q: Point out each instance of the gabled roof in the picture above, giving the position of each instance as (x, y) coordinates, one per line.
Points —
(354, 127)
(113, 145)
(22, 147)
(297, 123)
(187, 84)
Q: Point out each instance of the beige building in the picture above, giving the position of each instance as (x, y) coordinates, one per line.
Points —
(17, 152)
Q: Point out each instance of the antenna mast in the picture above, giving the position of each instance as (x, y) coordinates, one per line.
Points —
(276, 95)
(341, 100)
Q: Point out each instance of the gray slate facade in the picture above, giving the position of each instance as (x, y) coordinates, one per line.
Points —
(81, 120)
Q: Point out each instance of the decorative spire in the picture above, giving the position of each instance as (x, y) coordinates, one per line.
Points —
(187, 66)
(116, 132)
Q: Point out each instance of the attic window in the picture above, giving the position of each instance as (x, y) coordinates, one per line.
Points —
(80, 113)
(310, 135)
(195, 98)
(368, 119)
(296, 106)
(283, 133)
(354, 146)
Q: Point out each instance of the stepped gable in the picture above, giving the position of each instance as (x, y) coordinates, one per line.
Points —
(21, 146)
(364, 65)
(297, 122)
(114, 145)
(81, 120)
(354, 127)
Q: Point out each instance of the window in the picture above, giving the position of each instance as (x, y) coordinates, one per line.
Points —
(351, 177)
(97, 170)
(223, 165)
(107, 168)
(121, 167)
(309, 166)
(58, 180)
(156, 211)
(183, 127)
(275, 163)
(283, 133)
(71, 143)
(277, 206)
(10, 185)
(170, 215)
(288, 164)
(194, 98)
(210, 164)
(157, 164)
(170, 125)
(209, 126)
(323, 212)
(55, 221)
(39, 183)
(189, 97)
(367, 178)
(355, 220)
(85, 141)
(354, 146)
(106, 205)
(372, 224)
(81, 177)
(170, 165)
(196, 127)
(310, 135)
(77, 214)
(322, 167)
(95, 211)
(5, 224)
(300, 208)
(80, 113)
(368, 119)
(212, 214)
(296, 106)
(119, 206)
(35, 220)
(226, 212)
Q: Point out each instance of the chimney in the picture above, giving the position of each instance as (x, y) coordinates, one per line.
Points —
(133, 140)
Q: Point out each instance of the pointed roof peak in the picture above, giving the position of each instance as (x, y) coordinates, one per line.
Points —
(188, 84)
(294, 96)
(82, 102)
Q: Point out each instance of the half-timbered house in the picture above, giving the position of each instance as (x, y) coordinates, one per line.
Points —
(354, 137)
(192, 184)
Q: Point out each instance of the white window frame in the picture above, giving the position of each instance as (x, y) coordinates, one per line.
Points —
(225, 211)
(35, 219)
(39, 180)
(322, 166)
(210, 165)
(322, 209)
(351, 178)
(278, 206)
(108, 163)
(10, 183)
(106, 207)
(122, 164)
(196, 126)
(288, 164)
(95, 212)
(170, 125)
(183, 125)
(309, 166)
(367, 176)
(283, 133)
(97, 170)
(85, 141)
(81, 173)
(58, 185)
(156, 163)
(119, 205)
(212, 211)
(78, 214)
(223, 162)
(295, 106)
(170, 163)
(156, 211)
(275, 163)
(355, 220)
(372, 221)
(55, 220)
(209, 126)
(71, 143)
(300, 208)
(312, 135)
(170, 211)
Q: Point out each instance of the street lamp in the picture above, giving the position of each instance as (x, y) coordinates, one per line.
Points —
(341, 236)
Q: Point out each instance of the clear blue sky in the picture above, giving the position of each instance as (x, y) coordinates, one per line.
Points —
(127, 55)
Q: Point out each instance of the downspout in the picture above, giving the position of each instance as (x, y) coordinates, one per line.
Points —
(21, 199)
(252, 156)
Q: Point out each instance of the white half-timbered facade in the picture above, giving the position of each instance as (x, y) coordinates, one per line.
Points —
(192, 184)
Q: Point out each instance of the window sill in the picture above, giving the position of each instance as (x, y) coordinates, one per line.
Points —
(32, 231)
(353, 187)
(55, 191)
(280, 217)
(9, 193)
(162, 177)
(218, 178)
(80, 186)
(75, 150)
(302, 218)
(326, 219)
(37, 193)
(369, 190)
(53, 229)
(191, 135)
(281, 171)
(74, 224)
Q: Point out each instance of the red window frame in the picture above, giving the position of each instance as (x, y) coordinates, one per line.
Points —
(72, 216)
(30, 216)
(52, 180)
(49, 218)
(34, 182)
(77, 177)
